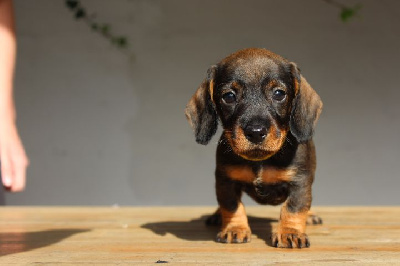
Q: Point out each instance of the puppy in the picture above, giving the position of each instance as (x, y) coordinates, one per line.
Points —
(268, 112)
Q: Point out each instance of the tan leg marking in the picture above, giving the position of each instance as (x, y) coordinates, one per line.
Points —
(290, 232)
(235, 227)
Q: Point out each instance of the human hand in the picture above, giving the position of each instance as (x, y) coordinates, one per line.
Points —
(13, 158)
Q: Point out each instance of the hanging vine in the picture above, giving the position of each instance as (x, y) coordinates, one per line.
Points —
(104, 29)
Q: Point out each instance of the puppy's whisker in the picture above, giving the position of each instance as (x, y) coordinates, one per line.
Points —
(222, 141)
(288, 140)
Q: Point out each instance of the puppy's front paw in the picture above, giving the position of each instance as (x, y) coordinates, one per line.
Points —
(290, 238)
(234, 235)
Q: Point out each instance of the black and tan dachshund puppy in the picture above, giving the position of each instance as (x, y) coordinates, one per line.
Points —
(268, 112)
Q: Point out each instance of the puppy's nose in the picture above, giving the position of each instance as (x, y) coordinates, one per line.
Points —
(255, 133)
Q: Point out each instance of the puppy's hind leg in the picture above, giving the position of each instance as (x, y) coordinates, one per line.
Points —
(215, 219)
(313, 219)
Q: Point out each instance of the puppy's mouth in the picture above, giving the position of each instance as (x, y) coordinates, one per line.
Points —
(256, 152)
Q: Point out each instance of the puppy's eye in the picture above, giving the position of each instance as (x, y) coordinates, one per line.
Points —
(229, 97)
(279, 95)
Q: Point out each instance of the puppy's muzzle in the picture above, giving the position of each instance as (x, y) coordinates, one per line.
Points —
(255, 133)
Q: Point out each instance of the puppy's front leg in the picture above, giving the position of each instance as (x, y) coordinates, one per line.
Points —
(235, 227)
(290, 232)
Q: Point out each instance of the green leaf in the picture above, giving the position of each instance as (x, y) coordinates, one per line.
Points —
(94, 26)
(71, 4)
(122, 42)
(80, 13)
(349, 12)
(105, 29)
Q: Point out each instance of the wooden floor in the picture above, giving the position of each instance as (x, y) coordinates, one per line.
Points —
(60, 235)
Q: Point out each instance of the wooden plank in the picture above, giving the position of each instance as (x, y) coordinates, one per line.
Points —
(101, 235)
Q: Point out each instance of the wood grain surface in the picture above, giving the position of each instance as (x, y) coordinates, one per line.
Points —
(177, 235)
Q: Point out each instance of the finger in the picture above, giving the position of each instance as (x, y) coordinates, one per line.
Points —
(19, 175)
(6, 173)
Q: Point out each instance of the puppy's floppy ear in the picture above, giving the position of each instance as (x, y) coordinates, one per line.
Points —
(307, 107)
(200, 110)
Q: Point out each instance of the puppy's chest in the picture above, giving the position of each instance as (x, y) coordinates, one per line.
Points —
(262, 174)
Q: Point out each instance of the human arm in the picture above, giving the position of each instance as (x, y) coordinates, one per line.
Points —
(12, 154)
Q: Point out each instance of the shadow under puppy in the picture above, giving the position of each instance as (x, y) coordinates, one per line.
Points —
(268, 112)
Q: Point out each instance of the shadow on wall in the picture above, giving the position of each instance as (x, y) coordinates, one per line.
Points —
(196, 230)
(17, 242)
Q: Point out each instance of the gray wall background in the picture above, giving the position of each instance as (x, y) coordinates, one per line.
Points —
(102, 127)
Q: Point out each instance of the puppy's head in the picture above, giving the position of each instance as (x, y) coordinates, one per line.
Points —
(259, 98)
